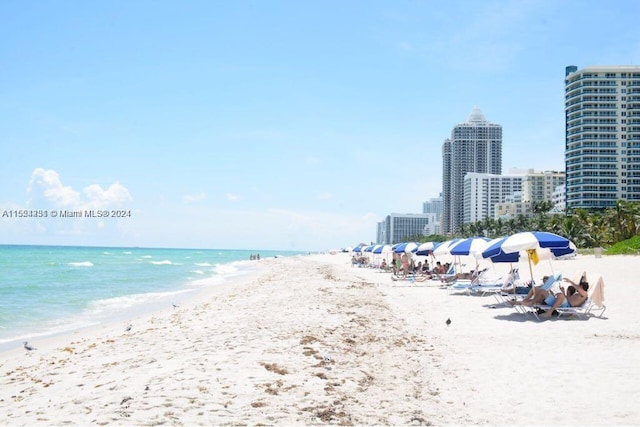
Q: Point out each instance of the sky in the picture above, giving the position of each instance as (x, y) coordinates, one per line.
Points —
(284, 125)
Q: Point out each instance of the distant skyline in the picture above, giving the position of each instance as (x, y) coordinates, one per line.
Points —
(273, 125)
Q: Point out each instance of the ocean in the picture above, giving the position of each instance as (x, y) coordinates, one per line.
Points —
(47, 290)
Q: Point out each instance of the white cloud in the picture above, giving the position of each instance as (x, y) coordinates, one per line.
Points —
(48, 185)
(115, 195)
(232, 197)
(48, 182)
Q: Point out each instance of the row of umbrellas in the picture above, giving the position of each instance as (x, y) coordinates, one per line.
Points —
(502, 249)
(535, 244)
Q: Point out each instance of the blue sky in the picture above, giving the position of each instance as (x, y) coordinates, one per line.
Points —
(273, 124)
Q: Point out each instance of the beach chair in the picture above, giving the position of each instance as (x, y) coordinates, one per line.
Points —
(459, 286)
(551, 280)
(594, 303)
(410, 280)
(478, 280)
(448, 277)
(494, 286)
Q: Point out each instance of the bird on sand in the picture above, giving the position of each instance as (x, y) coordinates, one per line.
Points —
(128, 328)
(28, 347)
(448, 322)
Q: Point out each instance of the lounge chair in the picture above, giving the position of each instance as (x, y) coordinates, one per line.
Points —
(496, 286)
(551, 280)
(477, 280)
(448, 277)
(594, 303)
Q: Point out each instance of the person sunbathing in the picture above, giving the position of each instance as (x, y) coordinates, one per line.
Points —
(574, 296)
(439, 268)
(535, 296)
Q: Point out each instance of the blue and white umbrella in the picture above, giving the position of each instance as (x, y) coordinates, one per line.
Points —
(469, 246)
(406, 247)
(526, 240)
(426, 248)
(444, 248)
(382, 249)
(535, 243)
(543, 253)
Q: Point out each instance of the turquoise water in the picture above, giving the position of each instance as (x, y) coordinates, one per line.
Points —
(46, 290)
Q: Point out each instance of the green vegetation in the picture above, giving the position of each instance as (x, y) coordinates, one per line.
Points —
(626, 247)
(617, 229)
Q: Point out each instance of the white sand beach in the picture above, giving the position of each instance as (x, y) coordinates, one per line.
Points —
(311, 340)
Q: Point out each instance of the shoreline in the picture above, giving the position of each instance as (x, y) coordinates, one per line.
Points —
(312, 340)
(190, 293)
(120, 305)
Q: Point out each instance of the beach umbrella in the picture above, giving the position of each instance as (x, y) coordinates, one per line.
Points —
(468, 246)
(384, 250)
(368, 248)
(380, 249)
(533, 240)
(524, 241)
(444, 247)
(530, 241)
(411, 247)
(542, 253)
(406, 247)
(426, 248)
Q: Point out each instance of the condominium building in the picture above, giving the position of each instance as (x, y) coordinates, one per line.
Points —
(483, 191)
(539, 186)
(559, 199)
(474, 146)
(602, 144)
(397, 228)
(434, 206)
(512, 208)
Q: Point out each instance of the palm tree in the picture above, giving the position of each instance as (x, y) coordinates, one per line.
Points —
(624, 218)
(572, 229)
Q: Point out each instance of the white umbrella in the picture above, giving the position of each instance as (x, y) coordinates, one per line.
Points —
(445, 247)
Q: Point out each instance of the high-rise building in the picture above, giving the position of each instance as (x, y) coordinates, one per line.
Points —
(539, 186)
(434, 205)
(482, 191)
(602, 143)
(474, 146)
(434, 208)
(398, 228)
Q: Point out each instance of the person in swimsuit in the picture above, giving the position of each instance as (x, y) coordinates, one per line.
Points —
(574, 296)
(405, 264)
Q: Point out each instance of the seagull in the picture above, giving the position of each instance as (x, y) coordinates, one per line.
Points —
(175, 306)
(448, 322)
(28, 347)
(326, 357)
(128, 328)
